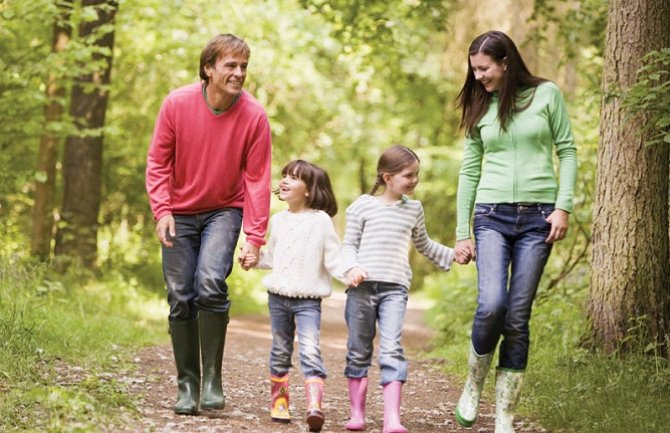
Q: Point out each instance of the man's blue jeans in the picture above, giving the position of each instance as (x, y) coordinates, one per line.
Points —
(287, 314)
(201, 258)
(511, 254)
(370, 303)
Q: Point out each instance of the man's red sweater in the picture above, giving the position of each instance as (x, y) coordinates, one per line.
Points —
(199, 161)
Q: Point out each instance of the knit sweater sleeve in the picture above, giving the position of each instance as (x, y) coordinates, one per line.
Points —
(468, 180)
(352, 235)
(257, 184)
(267, 252)
(160, 161)
(442, 256)
(565, 149)
(332, 251)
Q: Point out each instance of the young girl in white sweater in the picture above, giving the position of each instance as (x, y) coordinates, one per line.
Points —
(379, 231)
(303, 252)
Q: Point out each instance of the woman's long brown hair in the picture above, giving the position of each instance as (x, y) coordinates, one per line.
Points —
(473, 98)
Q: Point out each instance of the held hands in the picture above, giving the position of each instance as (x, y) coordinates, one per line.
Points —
(164, 227)
(464, 251)
(355, 276)
(559, 225)
(249, 256)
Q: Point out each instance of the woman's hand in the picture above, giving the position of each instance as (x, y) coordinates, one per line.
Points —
(559, 225)
(464, 251)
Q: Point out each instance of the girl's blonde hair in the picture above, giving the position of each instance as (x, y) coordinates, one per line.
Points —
(321, 195)
(394, 160)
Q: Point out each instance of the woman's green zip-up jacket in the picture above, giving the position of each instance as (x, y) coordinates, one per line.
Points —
(517, 165)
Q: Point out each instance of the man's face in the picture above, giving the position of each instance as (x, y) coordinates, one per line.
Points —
(227, 75)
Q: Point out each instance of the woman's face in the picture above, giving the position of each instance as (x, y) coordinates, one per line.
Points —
(488, 72)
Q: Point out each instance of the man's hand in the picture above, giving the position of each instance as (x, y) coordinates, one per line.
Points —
(249, 256)
(166, 226)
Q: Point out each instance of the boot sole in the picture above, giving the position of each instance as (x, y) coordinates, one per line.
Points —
(186, 411)
(315, 421)
(355, 425)
(281, 420)
(462, 421)
(212, 406)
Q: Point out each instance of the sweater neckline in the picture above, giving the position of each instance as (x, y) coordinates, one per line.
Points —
(213, 110)
(401, 201)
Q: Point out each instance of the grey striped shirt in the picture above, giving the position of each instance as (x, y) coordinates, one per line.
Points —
(377, 239)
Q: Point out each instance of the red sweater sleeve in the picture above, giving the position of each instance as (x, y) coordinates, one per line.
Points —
(160, 164)
(257, 178)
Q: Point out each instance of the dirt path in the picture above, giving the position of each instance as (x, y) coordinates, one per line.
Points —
(428, 403)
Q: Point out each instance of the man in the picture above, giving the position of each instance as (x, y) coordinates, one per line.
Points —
(208, 176)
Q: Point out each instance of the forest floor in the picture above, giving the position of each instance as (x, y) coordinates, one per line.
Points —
(428, 404)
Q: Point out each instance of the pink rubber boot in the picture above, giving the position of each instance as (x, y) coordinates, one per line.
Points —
(279, 407)
(392, 395)
(314, 394)
(358, 389)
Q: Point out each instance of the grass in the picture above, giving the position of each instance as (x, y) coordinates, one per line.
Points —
(67, 342)
(567, 389)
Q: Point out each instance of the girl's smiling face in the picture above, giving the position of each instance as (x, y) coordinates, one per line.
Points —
(488, 72)
(402, 183)
(293, 191)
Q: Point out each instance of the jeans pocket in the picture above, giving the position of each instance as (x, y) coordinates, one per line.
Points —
(483, 210)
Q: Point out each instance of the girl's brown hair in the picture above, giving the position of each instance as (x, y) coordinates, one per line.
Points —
(321, 195)
(394, 160)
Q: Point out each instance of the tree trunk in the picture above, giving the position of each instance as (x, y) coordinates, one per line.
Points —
(82, 165)
(629, 298)
(42, 220)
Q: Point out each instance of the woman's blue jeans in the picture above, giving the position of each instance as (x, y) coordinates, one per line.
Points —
(287, 314)
(511, 254)
(201, 258)
(370, 303)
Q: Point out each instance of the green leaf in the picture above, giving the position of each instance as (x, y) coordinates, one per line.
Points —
(663, 122)
(41, 176)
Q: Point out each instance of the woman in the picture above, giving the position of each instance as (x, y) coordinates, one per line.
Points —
(513, 122)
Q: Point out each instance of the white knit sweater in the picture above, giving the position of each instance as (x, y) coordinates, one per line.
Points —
(303, 252)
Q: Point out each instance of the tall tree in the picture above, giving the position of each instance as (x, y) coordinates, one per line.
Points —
(630, 298)
(82, 166)
(45, 183)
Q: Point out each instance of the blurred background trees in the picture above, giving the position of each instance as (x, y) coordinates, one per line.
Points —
(341, 81)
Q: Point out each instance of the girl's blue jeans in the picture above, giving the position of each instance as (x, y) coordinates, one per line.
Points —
(195, 268)
(511, 254)
(286, 315)
(370, 304)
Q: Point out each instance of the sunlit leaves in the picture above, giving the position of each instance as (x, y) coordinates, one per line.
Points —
(650, 96)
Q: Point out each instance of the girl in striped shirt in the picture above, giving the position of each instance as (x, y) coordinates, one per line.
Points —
(379, 228)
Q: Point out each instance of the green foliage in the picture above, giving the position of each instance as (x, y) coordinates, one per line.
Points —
(650, 96)
(60, 338)
(580, 25)
(582, 392)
